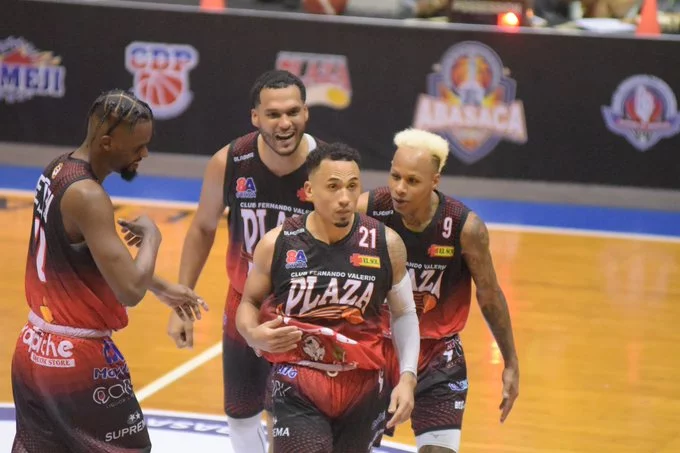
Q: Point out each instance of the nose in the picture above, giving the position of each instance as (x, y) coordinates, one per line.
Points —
(344, 198)
(284, 122)
(145, 152)
(400, 188)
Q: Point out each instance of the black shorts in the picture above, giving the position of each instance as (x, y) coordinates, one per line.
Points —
(245, 374)
(442, 386)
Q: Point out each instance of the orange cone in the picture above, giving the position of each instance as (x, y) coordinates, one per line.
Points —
(649, 20)
(213, 5)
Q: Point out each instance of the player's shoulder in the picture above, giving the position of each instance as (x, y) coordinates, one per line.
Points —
(86, 196)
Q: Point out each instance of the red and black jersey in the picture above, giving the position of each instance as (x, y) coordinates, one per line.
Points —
(441, 280)
(334, 293)
(63, 283)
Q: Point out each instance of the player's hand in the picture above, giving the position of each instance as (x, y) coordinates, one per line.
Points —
(181, 331)
(186, 303)
(136, 230)
(269, 337)
(510, 390)
(402, 400)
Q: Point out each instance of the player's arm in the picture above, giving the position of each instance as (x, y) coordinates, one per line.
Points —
(201, 234)
(266, 336)
(475, 248)
(362, 204)
(405, 330)
(200, 238)
(87, 207)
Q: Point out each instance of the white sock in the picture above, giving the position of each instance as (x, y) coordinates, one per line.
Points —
(247, 434)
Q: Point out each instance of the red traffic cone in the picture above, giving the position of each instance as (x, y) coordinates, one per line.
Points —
(649, 20)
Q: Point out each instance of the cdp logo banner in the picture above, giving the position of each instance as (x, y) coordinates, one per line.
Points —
(161, 75)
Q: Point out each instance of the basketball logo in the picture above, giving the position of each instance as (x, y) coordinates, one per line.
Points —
(470, 101)
(161, 75)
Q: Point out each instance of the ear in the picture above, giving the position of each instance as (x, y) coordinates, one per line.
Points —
(305, 112)
(254, 118)
(436, 179)
(106, 143)
(308, 191)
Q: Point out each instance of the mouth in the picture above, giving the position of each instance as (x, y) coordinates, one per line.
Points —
(284, 138)
(398, 201)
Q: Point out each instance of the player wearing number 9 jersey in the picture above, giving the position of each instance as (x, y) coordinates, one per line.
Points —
(447, 247)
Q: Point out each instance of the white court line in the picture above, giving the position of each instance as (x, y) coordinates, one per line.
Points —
(179, 372)
(491, 225)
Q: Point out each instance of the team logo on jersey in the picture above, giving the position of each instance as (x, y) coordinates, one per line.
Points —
(326, 77)
(644, 110)
(26, 72)
(161, 75)
(245, 188)
(312, 347)
(470, 101)
(296, 259)
(57, 169)
(440, 251)
(358, 260)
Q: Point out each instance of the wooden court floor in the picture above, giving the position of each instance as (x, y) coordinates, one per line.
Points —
(596, 321)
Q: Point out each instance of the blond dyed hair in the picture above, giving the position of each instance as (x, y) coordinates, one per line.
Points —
(418, 139)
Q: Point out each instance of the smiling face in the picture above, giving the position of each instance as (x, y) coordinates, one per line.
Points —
(281, 117)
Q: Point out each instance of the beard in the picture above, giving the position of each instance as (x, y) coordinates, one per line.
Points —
(342, 224)
(128, 174)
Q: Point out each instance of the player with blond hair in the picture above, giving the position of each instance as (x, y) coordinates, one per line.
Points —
(447, 248)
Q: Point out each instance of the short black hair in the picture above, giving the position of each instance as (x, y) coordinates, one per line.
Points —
(276, 78)
(121, 105)
(331, 151)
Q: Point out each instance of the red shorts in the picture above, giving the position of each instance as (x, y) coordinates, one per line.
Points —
(316, 412)
(74, 395)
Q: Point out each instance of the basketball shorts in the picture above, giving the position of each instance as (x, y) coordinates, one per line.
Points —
(314, 411)
(74, 395)
(245, 374)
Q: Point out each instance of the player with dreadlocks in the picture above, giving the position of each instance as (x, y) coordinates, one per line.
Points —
(71, 385)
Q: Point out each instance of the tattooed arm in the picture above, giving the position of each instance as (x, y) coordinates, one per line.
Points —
(475, 246)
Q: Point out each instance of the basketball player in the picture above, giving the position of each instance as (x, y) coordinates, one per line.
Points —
(259, 179)
(328, 273)
(448, 246)
(71, 385)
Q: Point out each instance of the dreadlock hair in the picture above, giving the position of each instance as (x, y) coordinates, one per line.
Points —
(122, 106)
(276, 78)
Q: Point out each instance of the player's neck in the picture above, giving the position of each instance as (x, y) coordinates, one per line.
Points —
(324, 231)
(282, 165)
(420, 218)
(100, 170)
